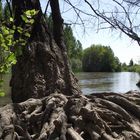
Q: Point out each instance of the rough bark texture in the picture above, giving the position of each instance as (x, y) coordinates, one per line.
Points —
(43, 72)
(43, 67)
(106, 116)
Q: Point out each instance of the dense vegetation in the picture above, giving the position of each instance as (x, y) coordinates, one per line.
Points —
(97, 58)
(100, 58)
(131, 67)
(74, 46)
(11, 47)
(74, 49)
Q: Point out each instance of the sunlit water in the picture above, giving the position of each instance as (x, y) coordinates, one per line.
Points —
(94, 83)
(97, 82)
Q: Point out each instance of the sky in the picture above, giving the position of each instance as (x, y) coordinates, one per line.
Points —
(123, 47)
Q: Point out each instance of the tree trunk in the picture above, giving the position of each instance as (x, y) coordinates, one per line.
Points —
(41, 72)
(43, 67)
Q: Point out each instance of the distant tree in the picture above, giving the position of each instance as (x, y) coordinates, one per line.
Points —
(118, 65)
(78, 50)
(131, 63)
(70, 41)
(74, 49)
(99, 58)
(124, 67)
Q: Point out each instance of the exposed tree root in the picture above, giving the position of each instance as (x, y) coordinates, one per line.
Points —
(106, 116)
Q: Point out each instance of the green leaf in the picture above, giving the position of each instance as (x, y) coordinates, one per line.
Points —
(11, 58)
(11, 19)
(24, 18)
(27, 34)
(9, 37)
(33, 12)
(14, 61)
(2, 93)
(32, 21)
(4, 46)
(19, 29)
(1, 39)
(14, 27)
(12, 31)
(5, 31)
(1, 36)
(23, 43)
(30, 13)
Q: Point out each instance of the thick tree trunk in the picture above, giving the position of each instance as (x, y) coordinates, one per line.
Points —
(43, 68)
(41, 71)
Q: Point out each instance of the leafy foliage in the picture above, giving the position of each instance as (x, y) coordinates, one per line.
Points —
(131, 67)
(74, 49)
(99, 58)
(131, 63)
(10, 47)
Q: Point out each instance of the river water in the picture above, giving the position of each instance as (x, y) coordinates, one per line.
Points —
(96, 82)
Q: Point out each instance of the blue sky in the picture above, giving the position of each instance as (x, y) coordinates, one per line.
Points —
(124, 48)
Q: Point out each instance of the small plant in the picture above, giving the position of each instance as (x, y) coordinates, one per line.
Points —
(10, 47)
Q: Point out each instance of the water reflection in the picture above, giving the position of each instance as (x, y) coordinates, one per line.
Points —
(93, 83)
(108, 82)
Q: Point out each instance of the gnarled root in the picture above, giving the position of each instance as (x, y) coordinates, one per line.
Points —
(59, 117)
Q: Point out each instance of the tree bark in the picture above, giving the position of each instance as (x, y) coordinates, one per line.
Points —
(61, 117)
(57, 114)
(43, 67)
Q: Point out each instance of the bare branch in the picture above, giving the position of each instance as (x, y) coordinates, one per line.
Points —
(77, 12)
(9, 7)
(100, 14)
(125, 24)
(46, 7)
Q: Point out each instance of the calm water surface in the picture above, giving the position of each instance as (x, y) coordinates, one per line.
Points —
(97, 82)
(6, 99)
(94, 83)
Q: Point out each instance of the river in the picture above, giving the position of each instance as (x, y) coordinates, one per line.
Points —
(96, 82)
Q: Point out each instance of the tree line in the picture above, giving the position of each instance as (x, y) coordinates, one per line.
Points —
(131, 67)
(96, 58)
